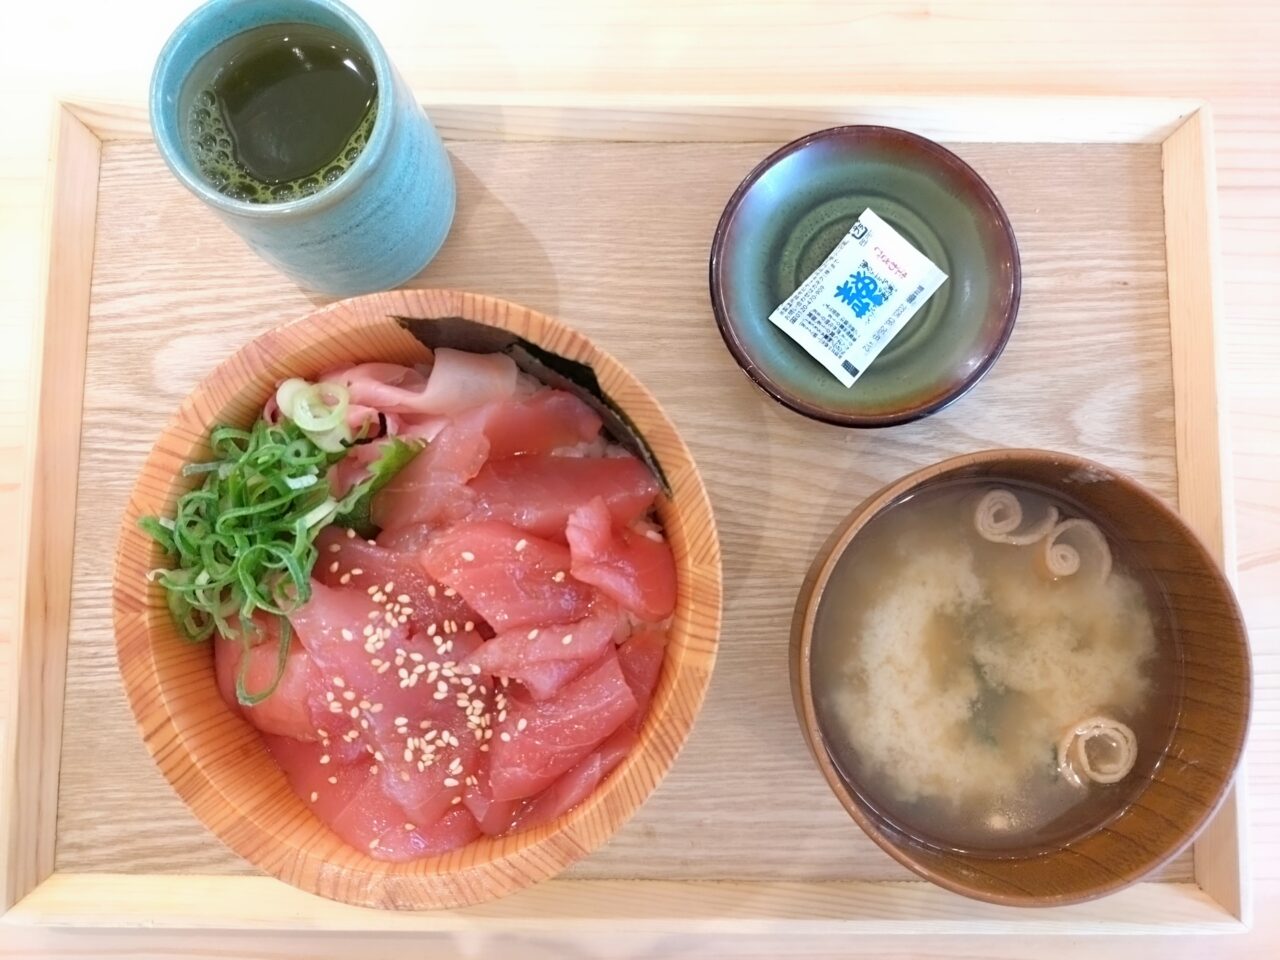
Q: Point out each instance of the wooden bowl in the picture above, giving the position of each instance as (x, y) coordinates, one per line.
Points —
(217, 762)
(1185, 785)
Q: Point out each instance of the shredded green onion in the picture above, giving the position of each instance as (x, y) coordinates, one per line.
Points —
(244, 540)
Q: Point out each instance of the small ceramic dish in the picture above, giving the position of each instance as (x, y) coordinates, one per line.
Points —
(219, 764)
(788, 215)
(1202, 639)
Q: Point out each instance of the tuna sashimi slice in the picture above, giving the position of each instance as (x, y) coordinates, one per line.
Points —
(547, 657)
(634, 566)
(640, 658)
(295, 709)
(578, 783)
(398, 695)
(433, 487)
(546, 421)
(538, 493)
(348, 799)
(509, 577)
(540, 740)
(494, 817)
(351, 561)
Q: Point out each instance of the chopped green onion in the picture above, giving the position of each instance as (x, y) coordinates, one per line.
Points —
(243, 542)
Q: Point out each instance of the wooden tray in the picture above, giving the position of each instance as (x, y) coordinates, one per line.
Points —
(602, 214)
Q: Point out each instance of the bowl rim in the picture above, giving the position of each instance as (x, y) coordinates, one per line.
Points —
(800, 660)
(291, 844)
(728, 328)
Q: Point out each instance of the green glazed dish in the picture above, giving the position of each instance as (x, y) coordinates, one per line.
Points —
(789, 214)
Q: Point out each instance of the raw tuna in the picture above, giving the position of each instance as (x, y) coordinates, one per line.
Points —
(433, 487)
(578, 783)
(538, 741)
(634, 566)
(541, 659)
(541, 423)
(359, 812)
(290, 711)
(398, 695)
(512, 579)
(538, 493)
(640, 658)
(494, 817)
(350, 561)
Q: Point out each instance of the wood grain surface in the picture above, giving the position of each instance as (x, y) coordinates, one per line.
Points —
(806, 50)
(174, 292)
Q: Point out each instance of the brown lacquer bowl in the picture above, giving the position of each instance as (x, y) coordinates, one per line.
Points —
(1203, 635)
(217, 762)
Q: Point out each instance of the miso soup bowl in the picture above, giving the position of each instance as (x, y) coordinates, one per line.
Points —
(217, 762)
(1204, 634)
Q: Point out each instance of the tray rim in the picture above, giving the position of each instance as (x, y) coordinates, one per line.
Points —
(33, 895)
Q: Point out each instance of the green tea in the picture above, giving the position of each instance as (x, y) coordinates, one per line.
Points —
(278, 112)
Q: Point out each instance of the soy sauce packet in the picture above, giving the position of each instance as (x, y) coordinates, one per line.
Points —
(862, 295)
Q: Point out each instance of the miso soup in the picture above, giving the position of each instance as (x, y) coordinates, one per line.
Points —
(991, 671)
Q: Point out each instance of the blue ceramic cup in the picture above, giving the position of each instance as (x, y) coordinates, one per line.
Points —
(375, 226)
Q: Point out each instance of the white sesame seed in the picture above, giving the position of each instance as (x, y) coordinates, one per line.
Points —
(333, 567)
(533, 634)
(567, 639)
(455, 800)
(558, 576)
(468, 556)
(521, 544)
(653, 535)
(450, 782)
(400, 721)
(351, 534)
(339, 682)
(314, 796)
(410, 826)
(403, 598)
(334, 548)
(376, 708)
(431, 630)
(373, 844)
(522, 723)
(356, 571)
(431, 589)
(344, 579)
(450, 592)
(354, 712)
(504, 737)
(333, 779)
(324, 758)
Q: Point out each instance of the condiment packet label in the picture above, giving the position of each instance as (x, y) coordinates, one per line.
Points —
(849, 309)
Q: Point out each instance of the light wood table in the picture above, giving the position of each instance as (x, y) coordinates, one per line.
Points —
(1225, 53)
